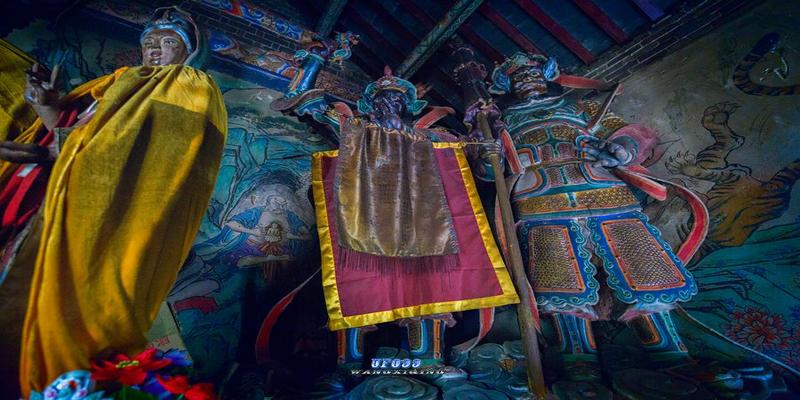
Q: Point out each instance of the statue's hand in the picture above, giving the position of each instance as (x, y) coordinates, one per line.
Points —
(603, 153)
(25, 153)
(42, 86)
(488, 149)
(492, 115)
(42, 92)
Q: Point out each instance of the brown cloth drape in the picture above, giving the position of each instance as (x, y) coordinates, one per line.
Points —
(389, 194)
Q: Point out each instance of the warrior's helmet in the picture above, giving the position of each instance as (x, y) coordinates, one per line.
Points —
(547, 66)
(391, 82)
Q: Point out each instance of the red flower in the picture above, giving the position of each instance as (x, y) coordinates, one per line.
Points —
(129, 371)
(179, 384)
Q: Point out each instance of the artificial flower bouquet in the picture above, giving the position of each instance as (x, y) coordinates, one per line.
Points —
(149, 375)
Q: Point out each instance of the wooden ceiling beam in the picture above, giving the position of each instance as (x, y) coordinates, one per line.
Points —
(417, 13)
(469, 35)
(409, 37)
(377, 38)
(437, 36)
(328, 19)
(481, 45)
(510, 30)
(365, 26)
(363, 61)
(379, 10)
(556, 30)
(602, 20)
(649, 9)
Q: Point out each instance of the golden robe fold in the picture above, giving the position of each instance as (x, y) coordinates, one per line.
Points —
(359, 297)
(123, 204)
(390, 197)
(15, 114)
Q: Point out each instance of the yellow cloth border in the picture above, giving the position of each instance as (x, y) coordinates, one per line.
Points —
(338, 321)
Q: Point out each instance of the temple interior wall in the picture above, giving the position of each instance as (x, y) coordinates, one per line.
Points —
(747, 272)
(740, 152)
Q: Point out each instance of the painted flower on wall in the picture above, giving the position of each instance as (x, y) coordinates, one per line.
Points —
(758, 328)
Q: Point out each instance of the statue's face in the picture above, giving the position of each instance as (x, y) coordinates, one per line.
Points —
(163, 47)
(389, 102)
(528, 82)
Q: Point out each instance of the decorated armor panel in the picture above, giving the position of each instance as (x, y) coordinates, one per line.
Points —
(569, 210)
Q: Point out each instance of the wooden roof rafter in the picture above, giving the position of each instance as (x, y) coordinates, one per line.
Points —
(602, 20)
(406, 35)
(377, 38)
(510, 30)
(438, 35)
(649, 9)
(558, 31)
(469, 35)
(328, 19)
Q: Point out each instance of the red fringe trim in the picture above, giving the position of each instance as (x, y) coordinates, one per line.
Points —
(370, 262)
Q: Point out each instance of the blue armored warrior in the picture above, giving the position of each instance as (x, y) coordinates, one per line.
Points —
(580, 223)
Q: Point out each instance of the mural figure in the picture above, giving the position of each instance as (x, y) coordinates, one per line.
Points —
(738, 203)
(394, 246)
(577, 211)
(265, 231)
(257, 234)
(741, 76)
(136, 196)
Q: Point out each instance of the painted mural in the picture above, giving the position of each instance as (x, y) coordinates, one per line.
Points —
(729, 130)
(728, 124)
(84, 55)
(258, 230)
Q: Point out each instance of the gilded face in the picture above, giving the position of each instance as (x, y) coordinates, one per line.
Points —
(528, 82)
(163, 47)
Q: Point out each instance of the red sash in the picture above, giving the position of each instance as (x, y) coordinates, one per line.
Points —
(24, 192)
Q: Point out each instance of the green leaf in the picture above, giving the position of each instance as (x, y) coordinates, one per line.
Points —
(129, 393)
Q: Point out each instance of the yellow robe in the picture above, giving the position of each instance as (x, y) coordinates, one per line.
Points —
(124, 202)
(15, 114)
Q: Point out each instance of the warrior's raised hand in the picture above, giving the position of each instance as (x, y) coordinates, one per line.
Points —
(604, 153)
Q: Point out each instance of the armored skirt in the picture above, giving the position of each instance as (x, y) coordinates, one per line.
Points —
(639, 266)
(574, 219)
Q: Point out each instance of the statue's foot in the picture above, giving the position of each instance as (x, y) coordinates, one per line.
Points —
(580, 367)
(579, 390)
(697, 379)
(752, 381)
(642, 384)
(439, 374)
(335, 384)
(393, 387)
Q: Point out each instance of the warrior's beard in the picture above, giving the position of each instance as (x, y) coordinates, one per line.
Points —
(388, 114)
